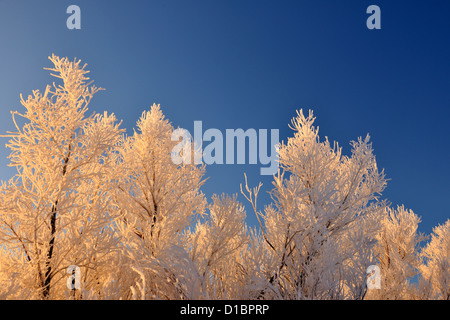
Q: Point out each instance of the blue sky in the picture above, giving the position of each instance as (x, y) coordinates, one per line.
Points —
(252, 64)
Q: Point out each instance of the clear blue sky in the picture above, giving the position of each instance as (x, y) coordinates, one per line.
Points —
(251, 64)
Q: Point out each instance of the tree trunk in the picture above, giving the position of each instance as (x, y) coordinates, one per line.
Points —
(48, 264)
(51, 243)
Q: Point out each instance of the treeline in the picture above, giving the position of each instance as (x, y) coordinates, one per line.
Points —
(129, 223)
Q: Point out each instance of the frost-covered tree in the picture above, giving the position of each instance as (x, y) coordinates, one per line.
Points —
(157, 201)
(398, 254)
(357, 247)
(55, 211)
(138, 226)
(435, 269)
(216, 247)
(320, 197)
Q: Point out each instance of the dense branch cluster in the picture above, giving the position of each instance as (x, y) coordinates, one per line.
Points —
(138, 226)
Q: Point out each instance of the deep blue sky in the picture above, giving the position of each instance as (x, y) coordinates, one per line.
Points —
(251, 64)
